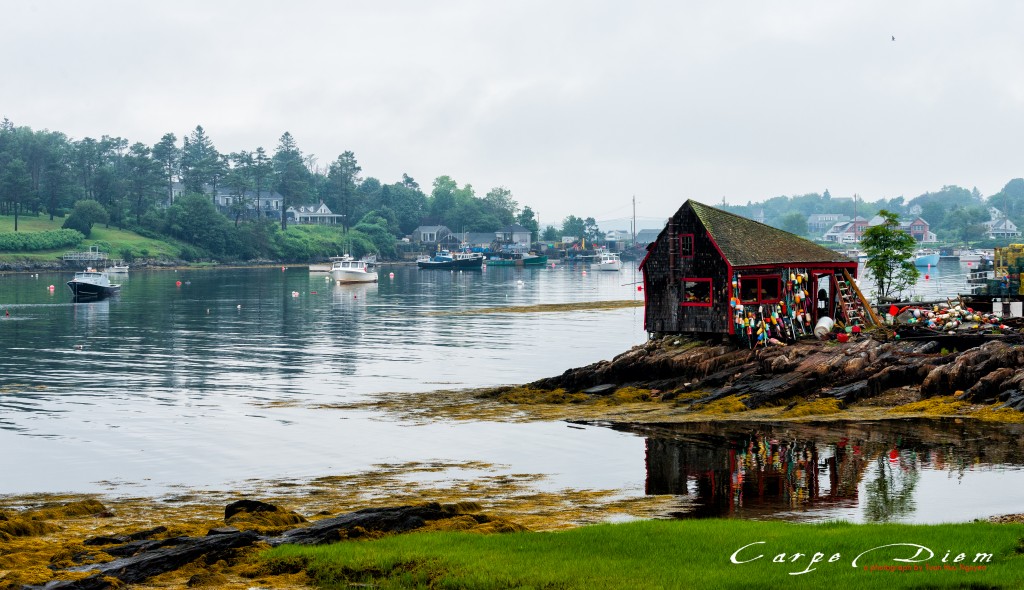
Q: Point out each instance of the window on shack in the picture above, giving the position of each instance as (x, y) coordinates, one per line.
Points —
(760, 289)
(696, 292)
(686, 245)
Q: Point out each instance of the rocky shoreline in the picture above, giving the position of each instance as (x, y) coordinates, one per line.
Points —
(697, 374)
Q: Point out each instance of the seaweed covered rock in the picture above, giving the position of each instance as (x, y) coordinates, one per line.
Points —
(970, 367)
(768, 376)
(382, 520)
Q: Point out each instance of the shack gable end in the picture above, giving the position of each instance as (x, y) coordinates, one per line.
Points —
(686, 280)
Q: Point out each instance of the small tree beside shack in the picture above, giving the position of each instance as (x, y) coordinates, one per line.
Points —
(713, 272)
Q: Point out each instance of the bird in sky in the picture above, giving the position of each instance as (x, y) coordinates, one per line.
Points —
(894, 37)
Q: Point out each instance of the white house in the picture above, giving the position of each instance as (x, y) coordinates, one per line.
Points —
(313, 215)
(1001, 228)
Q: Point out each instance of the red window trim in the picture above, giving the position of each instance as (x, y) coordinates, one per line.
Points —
(711, 293)
(693, 244)
(759, 279)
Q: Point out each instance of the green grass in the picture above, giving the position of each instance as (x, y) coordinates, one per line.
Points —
(110, 240)
(669, 554)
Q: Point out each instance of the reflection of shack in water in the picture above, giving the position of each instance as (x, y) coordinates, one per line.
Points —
(867, 471)
(752, 473)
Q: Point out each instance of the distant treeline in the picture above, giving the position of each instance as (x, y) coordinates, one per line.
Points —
(168, 189)
(954, 214)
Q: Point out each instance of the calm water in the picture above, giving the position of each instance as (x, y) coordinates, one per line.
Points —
(170, 385)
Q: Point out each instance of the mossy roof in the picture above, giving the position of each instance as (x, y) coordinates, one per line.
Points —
(745, 242)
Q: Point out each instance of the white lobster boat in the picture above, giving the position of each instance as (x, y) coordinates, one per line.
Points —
(349, 270)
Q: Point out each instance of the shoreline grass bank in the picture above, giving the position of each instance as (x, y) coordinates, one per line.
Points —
(676, 554)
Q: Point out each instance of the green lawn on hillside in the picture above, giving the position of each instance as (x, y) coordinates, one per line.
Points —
(111, 240)
(677, 554)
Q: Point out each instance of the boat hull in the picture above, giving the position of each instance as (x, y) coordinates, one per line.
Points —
(83, 291)
(461, 264)
(927, 260)
(344, 277)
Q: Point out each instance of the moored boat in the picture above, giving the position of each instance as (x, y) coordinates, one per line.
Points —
(91, 284)
(608, 261)
(349, 270)
(926, 258)
(445, 260)
(518, 260)
(325, 266)
(117, 267)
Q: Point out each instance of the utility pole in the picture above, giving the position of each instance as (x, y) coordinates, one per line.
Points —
(633, 225)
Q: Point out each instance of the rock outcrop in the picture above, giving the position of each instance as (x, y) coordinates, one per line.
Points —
(847, 372)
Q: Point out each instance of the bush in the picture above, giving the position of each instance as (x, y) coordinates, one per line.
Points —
(45, 240)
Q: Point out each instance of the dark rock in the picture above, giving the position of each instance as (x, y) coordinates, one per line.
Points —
(1014, 401)
(221, 530)
(396, 520)
(605, 389)
(134, 547)
(250, 506)
(146, 534)
(147, 564)
(105, 540)
(1005, 395)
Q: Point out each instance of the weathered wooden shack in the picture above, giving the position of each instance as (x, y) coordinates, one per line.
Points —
(714, 272)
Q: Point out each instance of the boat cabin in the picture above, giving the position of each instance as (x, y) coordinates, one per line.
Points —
(714, 272)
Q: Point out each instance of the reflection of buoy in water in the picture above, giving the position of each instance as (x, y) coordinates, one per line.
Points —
(177, 283)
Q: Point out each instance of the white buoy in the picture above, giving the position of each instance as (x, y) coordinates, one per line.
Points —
(391, 275)
(239, 306)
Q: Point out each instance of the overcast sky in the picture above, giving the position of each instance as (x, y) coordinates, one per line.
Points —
(574, 106)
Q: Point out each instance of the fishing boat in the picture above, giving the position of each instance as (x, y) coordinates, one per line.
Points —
(969, 255)
(91, 284)
(518, 260)
(349, 270)
(445, 260)
(926, 258)
(325, 266)
(117, 267)
(608, 261)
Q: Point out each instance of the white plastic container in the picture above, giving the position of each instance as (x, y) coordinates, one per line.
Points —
(823, 328)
